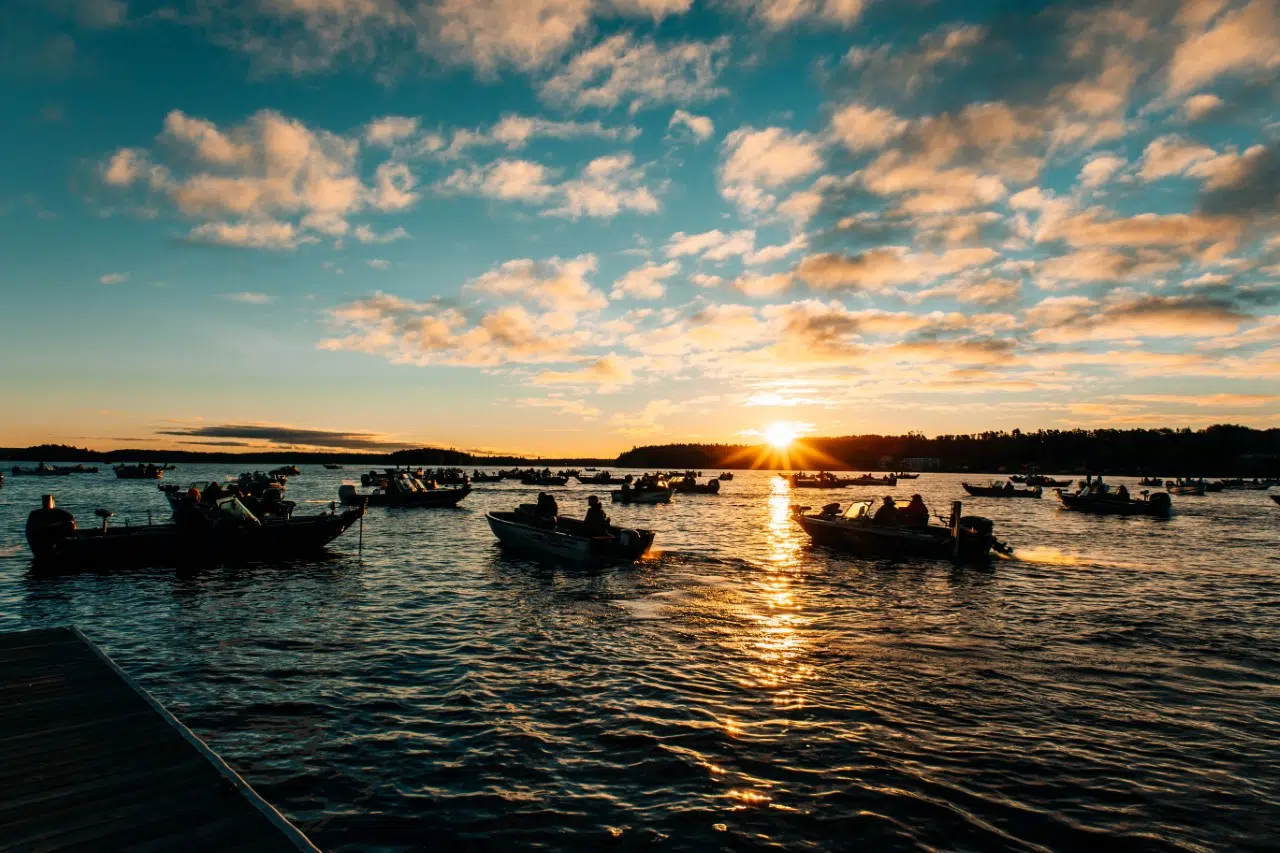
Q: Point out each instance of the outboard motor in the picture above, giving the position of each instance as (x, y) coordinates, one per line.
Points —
(345, 491)
(48, 526)
(1161, 501)
(975, 533)
(831, 510)
(714, 485)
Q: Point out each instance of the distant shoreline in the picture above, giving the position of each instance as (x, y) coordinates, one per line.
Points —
(1220, 450)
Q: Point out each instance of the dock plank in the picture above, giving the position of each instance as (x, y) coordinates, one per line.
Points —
(90, 761)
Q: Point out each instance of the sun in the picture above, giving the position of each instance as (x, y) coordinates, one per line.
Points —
(780, 434)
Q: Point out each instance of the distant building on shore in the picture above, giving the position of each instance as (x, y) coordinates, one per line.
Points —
(920, 463)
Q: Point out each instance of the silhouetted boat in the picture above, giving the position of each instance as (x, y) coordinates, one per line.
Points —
(1151, 483)
(996, 490)
(688, 485)
(649, 493)
(544, 481)
(1157, 504)
(604, 478)
(1047, 482)
(138, 472)
(481, 477)
(43, 470)
(967, 539)
(1185, 487)
(329, 466)
(824, 480)
(567, 539)
(222, 532)
(286, 471)
(902, 475)
(404, 492)
(725, 476)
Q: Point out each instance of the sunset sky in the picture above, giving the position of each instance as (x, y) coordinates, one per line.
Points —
(572, 226)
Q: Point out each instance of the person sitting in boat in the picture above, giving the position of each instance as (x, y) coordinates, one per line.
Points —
(1008, 486)
(886, 515)
(213, 493)
(193, 494)
(547, 508)
(596, 522)
(916, 514)
(1122, 493)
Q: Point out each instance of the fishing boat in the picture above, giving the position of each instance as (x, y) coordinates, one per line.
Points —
(966, 539)
(1017, 478)
(43, 470)
(138, 472)
(725, 476)
(544, 481)
(825, 480)
(645, 491)
(264, 501)
(286, 471)
(1185, 487)
(903, 475)
(223, 531)
(566, 538)
(1155, 504)
(404, 490)
(604, 478)
(689, 485)
(481, 477)
(329, 466)
(998, 490)
(1151, 483)
(1047, 482)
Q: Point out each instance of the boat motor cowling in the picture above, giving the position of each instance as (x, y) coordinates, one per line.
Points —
(1161, 500)
(48, 525)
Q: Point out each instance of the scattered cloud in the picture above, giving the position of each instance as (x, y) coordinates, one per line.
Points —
(287, 436)
(758, 161)
(701, 127)
(646, 282)
(114, 278)
(639, 73)
(249, 297)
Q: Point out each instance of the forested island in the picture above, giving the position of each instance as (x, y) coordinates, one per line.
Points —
(1219, 450)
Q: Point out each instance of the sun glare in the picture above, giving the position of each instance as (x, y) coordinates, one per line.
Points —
(780, 434)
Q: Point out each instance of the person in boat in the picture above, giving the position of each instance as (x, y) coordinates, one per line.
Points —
(596, 522)
(213, 493)
(547, 509)
(193, 494)
(886, 515)
(1008, 486)
(916, 514)
(1122, 493)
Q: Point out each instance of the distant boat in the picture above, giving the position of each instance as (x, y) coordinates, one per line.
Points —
(649, 494)
(1185, 487)
(603, 478)
(43, 470)
(902, 475)
(544, 481)
(285, 471)
(399, 493)
(824, 480)
(725, 476)
(996, 490)
(1157, 505)
(138, 472)
(331, 467)
(567, 539)
(689, 485)
(480, 477)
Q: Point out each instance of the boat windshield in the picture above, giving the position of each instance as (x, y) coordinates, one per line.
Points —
(232, 507)
(859, 509)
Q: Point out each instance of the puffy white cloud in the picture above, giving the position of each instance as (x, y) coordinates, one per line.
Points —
(777, 14)
(700, 126)
(265, 183)
(605, 187)
(525, 34)
(713, 245)
(1100, 168)
(256, 234)
(1198, 107)
(769, 254)
(860, 128)
(515, 131)
(640, 73)
(605, 373)
(559, 285)
(878, 269)
(1240, 40)
(645, 282)
(756, 161)
(1172, 155)
(390, 130)
(761, 286)
(1126, 314)
(114, 278)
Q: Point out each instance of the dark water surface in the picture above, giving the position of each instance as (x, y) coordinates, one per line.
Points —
(1117, 686)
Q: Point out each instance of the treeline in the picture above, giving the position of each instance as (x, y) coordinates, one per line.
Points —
(424, 456)
(1220, 450)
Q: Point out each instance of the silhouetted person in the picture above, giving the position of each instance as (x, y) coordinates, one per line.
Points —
(596, 522)
(1122, 493)
(916, 514)
(886, 515)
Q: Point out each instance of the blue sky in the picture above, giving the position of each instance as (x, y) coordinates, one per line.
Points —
(571, 226)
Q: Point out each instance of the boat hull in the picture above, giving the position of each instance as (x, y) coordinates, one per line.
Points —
(997, 492)
(656, 496)
(516, 532)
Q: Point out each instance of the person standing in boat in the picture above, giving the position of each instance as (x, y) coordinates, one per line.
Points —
(596, 522)
(886, 515)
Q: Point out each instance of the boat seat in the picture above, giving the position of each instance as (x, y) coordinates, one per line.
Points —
(103, 513)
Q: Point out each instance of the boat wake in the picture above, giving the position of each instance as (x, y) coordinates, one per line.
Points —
(1056, 557)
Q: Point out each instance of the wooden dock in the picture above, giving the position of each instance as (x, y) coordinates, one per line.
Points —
(90, 761)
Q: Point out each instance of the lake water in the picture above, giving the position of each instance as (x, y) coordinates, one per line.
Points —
(1116, 685)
